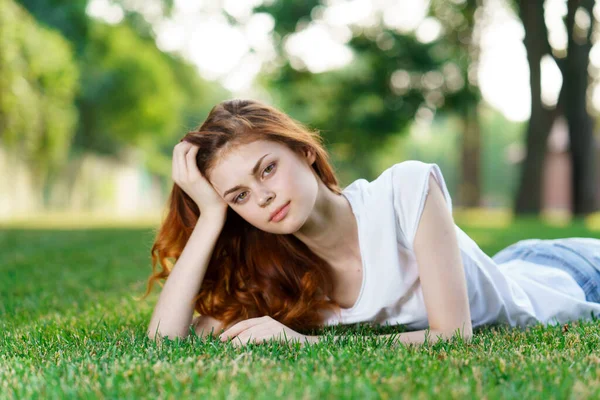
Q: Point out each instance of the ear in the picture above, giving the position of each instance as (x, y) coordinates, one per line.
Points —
(310, 155)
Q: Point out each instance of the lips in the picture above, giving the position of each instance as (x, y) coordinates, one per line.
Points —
(277, 211)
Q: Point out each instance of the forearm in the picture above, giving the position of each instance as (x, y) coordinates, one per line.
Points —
(174, 310)
(415, 337)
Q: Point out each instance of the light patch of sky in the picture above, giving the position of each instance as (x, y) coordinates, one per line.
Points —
(152, 10)
(317, 49)
(554, 12)
(596, 96)
(235, 55)
(320, 46)
(214, 46)
(551, 81)
(504, 71)
(342, 13)
(428, 30)
(503, 74)
(595, 53)
(595, 56)
(241, 10)
(189, 7)
(104, 9)
(404, 15)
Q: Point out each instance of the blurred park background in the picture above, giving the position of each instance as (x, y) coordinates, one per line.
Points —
(503, 95)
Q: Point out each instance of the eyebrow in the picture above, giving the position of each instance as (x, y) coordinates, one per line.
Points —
(254, 171)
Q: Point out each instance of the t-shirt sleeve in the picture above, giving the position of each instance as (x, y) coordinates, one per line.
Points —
(410, 182)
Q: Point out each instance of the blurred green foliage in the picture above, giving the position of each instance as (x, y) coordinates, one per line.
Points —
(108, 88)
(38, 85)
(377, 95)
(438, 143)
(72, 84)
(128, 91)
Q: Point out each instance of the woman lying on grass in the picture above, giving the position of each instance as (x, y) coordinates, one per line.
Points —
(266, 243)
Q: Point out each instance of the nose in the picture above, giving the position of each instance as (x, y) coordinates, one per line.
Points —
(266, 197)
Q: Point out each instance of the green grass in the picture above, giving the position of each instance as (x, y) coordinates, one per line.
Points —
(71, 327)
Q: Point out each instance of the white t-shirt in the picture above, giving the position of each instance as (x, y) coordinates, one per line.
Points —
(388, 211)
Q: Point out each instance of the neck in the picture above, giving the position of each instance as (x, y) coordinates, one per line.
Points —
(331, 231)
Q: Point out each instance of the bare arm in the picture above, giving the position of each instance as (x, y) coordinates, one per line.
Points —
(407, 338)
(442, 276)
(173, 313)
(440, 266)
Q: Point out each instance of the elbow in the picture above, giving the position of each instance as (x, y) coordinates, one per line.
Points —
(154, 333)
(467, 336)
(163, 335)
(465, 332)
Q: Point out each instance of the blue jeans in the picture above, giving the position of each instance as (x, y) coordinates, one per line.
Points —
(580, 257)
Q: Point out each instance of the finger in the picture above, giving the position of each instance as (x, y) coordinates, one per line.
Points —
(175, 173)
(185, 147)
(240, 341)
(177, 167)
(256, 334)
(264, 333)
(261, 335)
(240, 327)
(190, 159)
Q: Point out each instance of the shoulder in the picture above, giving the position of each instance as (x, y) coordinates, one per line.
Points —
(400, 171)
(403, 181)
(412, 181)
(415, 176)
(411, 170)
(408, 180)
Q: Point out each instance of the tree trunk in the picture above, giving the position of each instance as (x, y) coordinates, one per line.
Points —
(581, 135)
(528, 200)
(469, 190)
(470, 185)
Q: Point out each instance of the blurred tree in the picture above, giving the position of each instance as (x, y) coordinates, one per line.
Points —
(435, 144)
(129, 91)
(132, 94)
(71, 19)
(459, 34)
(67, 16)
(38, 82)
(199, 97)
(576, 79)
(361, 104)
(572, 102)
(393, 78)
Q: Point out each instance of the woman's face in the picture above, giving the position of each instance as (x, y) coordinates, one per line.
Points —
(258, 178)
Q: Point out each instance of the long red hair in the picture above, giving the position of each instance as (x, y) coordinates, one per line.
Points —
(251, 273)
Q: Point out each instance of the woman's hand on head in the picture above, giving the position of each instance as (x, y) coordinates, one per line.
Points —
(187, 176)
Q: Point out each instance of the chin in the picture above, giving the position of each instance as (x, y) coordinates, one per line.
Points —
(294, 227)
(286, 227)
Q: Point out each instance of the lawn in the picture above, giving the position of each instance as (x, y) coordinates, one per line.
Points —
(71, 327)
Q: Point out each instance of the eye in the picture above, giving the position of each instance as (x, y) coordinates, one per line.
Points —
(268, 169)
(238, 197)
(270, 165)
